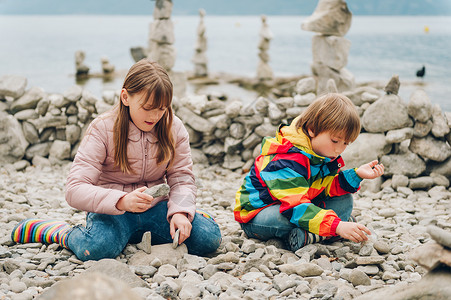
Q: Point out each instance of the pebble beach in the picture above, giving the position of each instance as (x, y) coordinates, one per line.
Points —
(241, 268)
(408, 209)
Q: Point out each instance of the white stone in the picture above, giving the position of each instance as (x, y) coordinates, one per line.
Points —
(332, 51)
(331, 17)
(367, 147)
(12, 86)
(387, 113)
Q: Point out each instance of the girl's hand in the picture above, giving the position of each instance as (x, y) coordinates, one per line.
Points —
(352, 231)
(135, 201)
(370, 170)
(180, 221)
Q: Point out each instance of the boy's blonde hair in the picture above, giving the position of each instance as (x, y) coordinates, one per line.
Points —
(331, 112)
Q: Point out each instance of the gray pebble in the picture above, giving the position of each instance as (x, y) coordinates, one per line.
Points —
(158, 190)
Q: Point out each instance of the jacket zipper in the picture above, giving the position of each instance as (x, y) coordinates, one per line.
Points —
(145, 156)
(321, 172)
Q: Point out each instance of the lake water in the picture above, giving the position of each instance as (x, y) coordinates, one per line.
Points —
(42, 48)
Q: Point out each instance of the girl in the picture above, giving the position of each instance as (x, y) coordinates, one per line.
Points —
(138, 144)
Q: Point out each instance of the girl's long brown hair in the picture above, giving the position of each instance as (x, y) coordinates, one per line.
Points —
(153, 79)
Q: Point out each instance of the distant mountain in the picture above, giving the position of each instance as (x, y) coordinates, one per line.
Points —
(221, 7)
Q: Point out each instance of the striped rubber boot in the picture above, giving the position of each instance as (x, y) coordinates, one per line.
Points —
(41, 231)
(298, 238)
(312, 238)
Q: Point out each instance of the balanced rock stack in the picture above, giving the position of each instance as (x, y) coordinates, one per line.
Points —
(81, 68)
(200, 58)
(107, 67)
(264, 71)
(161, 35)
(332, 20)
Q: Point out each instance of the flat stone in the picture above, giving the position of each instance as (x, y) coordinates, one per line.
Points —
(441, 236)
(308, 269)
(370, 260)
(431, 255)
(168, 271)
(164, 252)
(358, 277)
(146, 242)
(175, 242)
(90, 286)
(382, 247)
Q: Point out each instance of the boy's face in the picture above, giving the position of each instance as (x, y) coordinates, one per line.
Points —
(328, 144)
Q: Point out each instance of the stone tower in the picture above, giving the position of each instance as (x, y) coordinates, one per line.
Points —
(264, 71)
(200, 58)
(331, 20)
(161, 35)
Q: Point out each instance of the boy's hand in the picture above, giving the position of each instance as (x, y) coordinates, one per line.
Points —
(352, 231)
(370, 170)
(135, 201)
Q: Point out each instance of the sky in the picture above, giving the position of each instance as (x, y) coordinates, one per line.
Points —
(222, 7)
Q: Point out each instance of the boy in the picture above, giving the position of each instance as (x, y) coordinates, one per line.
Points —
(295, 189)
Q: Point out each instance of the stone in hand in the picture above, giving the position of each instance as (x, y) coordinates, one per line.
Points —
(175, 241)
(158, 190)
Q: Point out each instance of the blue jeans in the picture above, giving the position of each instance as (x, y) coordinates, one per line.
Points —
(105, 236)
(270, 223)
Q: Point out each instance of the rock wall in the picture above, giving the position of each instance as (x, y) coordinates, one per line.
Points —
(411, 139)
(44, 128)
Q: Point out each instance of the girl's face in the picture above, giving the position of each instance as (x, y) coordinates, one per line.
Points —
(143, 116)
(328, 144)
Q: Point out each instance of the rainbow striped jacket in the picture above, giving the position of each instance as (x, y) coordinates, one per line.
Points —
(289, 173)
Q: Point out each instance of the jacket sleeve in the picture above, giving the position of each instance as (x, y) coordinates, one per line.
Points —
(82, 191)
(287, 177)
(180, 177)
(344, 182)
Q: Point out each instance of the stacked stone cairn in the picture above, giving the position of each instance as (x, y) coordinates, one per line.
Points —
(332, 20)
(264, 71)
(81, 68)
(161, 35)
(200, 58)
(107, 67)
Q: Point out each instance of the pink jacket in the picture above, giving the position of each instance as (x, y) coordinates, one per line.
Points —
(94, 184)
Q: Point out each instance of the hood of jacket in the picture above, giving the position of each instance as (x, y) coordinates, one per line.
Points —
(289, 140)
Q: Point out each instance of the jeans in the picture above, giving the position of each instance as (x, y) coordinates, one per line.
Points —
(105, 236)
(270, 223)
